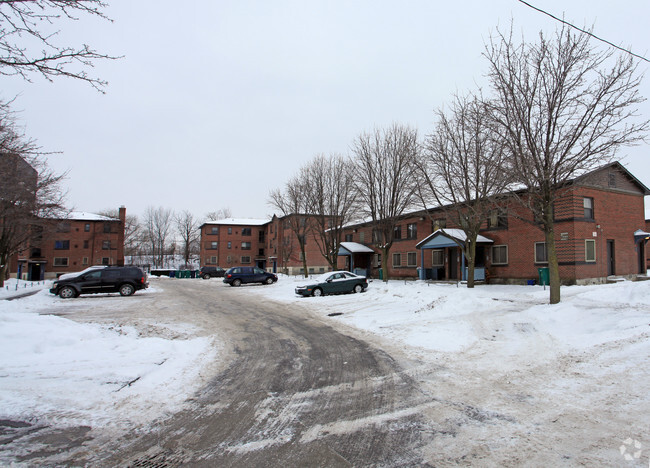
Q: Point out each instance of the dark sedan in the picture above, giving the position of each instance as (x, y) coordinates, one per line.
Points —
(334, 282)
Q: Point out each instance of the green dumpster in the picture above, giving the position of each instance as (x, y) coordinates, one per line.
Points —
(381, 274)
(543, 276)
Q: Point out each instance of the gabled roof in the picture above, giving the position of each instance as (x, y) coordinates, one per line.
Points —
(354, 247)
(615, 165)
(452, 235)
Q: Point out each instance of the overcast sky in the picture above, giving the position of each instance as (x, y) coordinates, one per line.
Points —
(216, 103)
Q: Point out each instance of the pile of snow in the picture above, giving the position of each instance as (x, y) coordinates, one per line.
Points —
(61, 371)
(506, 319)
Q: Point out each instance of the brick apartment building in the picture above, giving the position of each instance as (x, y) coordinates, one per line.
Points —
(600, 231)
(72, 244)
(268, 244)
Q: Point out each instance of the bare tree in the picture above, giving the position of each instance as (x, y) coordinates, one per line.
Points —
(218, 215)
(157, 225)
(30, 193)
(463, 170)
(28, 30)
(188, 230)
(331, 198)
(564, 108)
(384, 180)
(293, 204)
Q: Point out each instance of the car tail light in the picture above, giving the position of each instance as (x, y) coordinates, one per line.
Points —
(229, 276)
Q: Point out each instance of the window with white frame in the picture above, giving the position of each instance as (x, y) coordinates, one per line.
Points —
(411, 259)
(214, 245)
(499, 255)
(245, 260)
(84, 261)
(213, 259)
(245, 245)
(541, 255)
(362, 237)
(397, 260)
(437, 258)
(214, 230)
(397, 232)
(588, 205)
(590, 250)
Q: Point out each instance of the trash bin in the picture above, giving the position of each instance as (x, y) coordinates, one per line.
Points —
(172, 273)
(381, 274)
(543, 276)
(192, 274)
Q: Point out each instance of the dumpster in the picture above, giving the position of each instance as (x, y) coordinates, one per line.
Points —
(543, 276)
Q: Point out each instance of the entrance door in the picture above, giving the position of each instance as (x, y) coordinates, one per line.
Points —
(453, 263)
(611, 259)
(642, 263)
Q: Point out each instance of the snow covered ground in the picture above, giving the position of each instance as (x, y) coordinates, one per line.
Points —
(65, 372)
(579, 366)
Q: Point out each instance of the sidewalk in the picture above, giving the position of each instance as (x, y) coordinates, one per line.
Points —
(13, 289)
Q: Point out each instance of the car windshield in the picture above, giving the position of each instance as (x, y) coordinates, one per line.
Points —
(79, 273)
(325, 276)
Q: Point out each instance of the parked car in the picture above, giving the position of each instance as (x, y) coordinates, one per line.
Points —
(208, 272)
(237, 276)
(334, 282)
(125, 280)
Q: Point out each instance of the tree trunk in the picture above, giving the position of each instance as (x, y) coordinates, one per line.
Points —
(471, 261)
(553, 266)
(384, 262)
(304, 260)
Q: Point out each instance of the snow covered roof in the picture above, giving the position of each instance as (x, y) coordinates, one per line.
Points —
(457, 234)
(354, 247)
(83, 216)
(240, 222)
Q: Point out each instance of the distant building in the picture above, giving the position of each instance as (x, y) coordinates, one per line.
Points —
(73, 244)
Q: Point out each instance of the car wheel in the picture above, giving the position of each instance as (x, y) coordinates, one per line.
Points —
(67, 292)
(236, 283)
(268, 281)
(358, 288)
(126, 290)
(317, 292)
(206, 276)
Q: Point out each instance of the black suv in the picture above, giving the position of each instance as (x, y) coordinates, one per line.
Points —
(125, 280)
(238, 275)
(212, 272)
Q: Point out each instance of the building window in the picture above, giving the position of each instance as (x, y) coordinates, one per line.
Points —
(60, 261)
(106, 261)
(438, 258)
(214, 245)
(440, 223)
(376, 236)
(107, 228)
(497, 219)
(106, 245)
(213, 260)
(245, 260)
(397, 232)
(229, 230)
(214, 230)
(499, 255)
(245, 245)
(588, 204)
(349, 237)
(412, 259)
(590, 250)
(230, 245)
(261, 235)
(261, 252)
(84, 261)
(397, 260)
(246, 231)
(62, 245)
(362, 237)
(63, 227)
(86, 244)
(612, 179)
(376, 260)
(412, 231)
(87, 227)
(541, 255)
